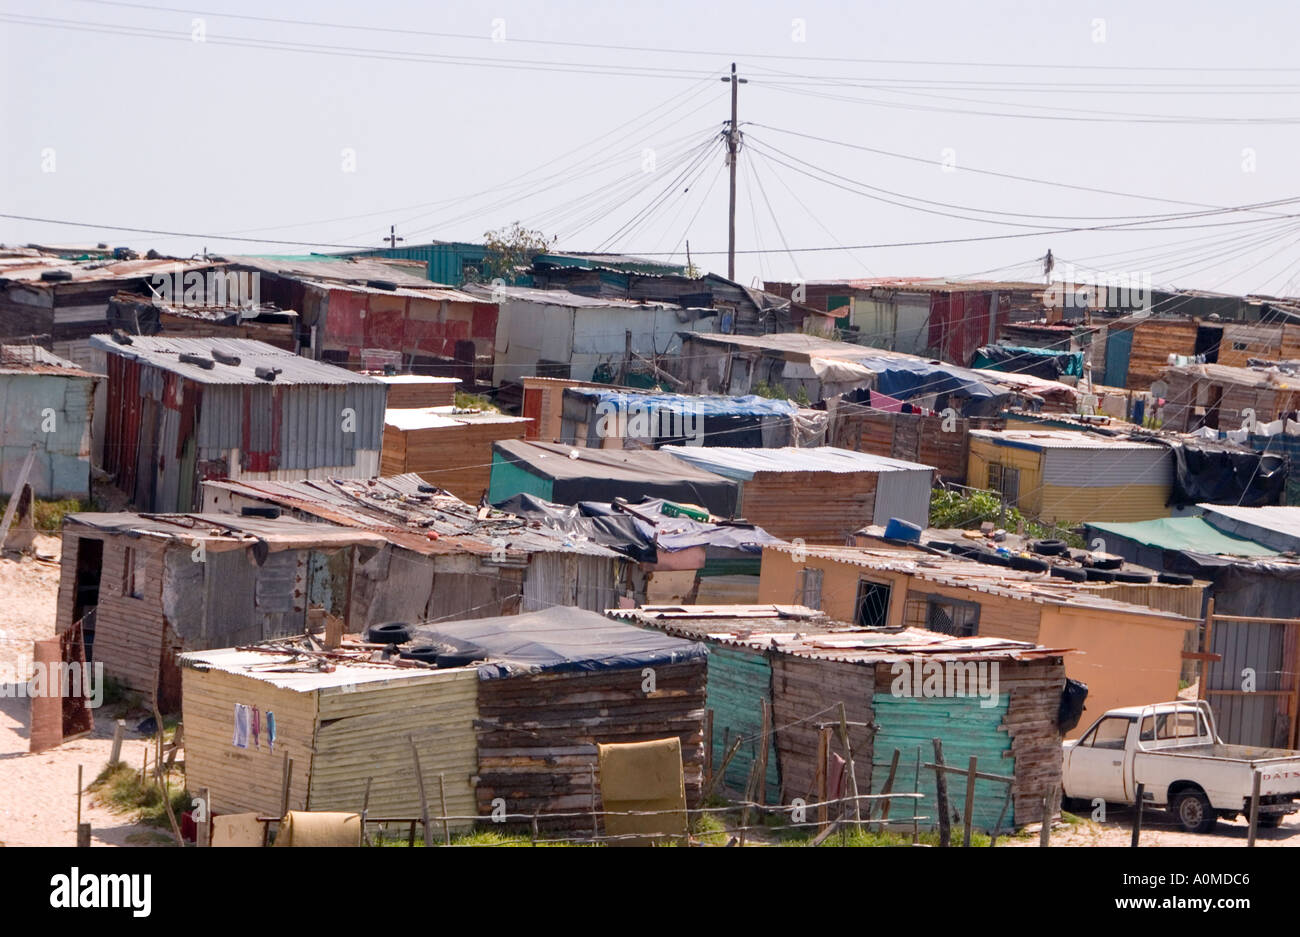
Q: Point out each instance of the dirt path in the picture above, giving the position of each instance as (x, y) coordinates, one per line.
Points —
(1159, 830)
(38, 792)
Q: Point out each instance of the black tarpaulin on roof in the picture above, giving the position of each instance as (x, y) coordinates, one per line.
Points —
(1225, 476)
(557, 639)
(618, 532)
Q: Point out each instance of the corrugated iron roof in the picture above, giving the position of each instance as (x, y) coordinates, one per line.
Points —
(302, 673)
(948, 570)
(404, 510)
(744, 464)
(33, 359)
(1058, 439)
(164, 352)
(560, 298)
(833, 641)
(282, 532)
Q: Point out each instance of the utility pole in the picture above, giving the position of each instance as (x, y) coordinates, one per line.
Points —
(392, 238)
(733, 147)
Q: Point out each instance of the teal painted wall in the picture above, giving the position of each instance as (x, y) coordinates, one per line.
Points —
(738, 682)
(509, 479)
(964, 729)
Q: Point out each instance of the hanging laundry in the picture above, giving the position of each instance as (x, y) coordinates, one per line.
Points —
(884, 402)
(257, 727)
(242, 719)
(270, 731)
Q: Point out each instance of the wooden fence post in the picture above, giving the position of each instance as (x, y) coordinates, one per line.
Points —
(969, 808)
(941, 795)
(1254, 808)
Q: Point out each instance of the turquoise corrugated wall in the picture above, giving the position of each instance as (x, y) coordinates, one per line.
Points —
(509, 479)
(738, 682)
(964, 729)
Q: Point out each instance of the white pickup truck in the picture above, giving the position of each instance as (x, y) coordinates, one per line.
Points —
(1174, 751)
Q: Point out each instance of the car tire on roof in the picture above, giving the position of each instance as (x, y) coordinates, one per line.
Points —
(1175, 579)
(992, 559)
(1069, 573)
(1124, 575)
(944, 545)
(1027, 564)
(1098, 575)
(1050, 547)
(390, 632)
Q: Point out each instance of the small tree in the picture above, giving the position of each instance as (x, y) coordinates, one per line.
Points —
(510, 247)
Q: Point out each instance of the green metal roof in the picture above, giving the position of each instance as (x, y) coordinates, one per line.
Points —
(1194, 534)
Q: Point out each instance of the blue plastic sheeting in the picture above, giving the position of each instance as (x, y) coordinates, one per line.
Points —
(905, 378)
(751, 405)
(556, 640)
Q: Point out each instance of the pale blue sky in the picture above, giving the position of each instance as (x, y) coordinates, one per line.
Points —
(147, 128)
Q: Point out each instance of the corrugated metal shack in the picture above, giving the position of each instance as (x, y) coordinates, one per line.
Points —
(561, 681)
(346, 724)
(447, 446)
(556, 333)
(567, 475)
(1131, 634)
(618, 419)
(148, 586)
(48, 402)
(443, 560)
(805, 666)
(821, 494)
(1072, 476)
(1227, 398)
(929, 439)
(184, 410)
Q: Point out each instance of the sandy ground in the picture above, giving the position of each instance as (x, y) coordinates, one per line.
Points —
(38, 793)
(1158, 829)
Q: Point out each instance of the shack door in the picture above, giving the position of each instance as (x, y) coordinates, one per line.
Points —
(1253, 689)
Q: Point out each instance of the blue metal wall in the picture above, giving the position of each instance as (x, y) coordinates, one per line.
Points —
(738, 682)
(965, 729)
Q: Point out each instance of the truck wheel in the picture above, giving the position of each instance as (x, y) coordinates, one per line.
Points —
(1193, 812)
(1270, 821)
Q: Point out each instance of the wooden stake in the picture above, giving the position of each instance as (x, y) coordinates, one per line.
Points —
(424, 802)
(79, 789)
(119, 732)
(1049, 804)
(853, 773)
(284, 785)
(708, 746)
(941, 795)
(823, 755)
(888, 789)
(916, 801)
(365, 810)
(442, 798)
(764, 739)
(1137, 815)
(970, 803)
(595, 818)
(993, 836)
(1254, 808)
(83, 835)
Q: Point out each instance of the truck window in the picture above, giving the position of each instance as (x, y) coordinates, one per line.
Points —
(1110, 733)
(1180, 725)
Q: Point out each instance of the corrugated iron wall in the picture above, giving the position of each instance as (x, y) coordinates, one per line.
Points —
(738, 682)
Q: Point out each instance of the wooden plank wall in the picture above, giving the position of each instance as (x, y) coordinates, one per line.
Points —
(456, 458)
(911, 437)
(245, 779)
(820, 507)
(537, 734)
(1154, 340)
(366, 732)
(416, 396)
(808, 692)
(1276, 342)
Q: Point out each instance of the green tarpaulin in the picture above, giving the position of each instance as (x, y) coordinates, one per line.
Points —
(1192, 534)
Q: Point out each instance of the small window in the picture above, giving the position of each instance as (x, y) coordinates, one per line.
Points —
(1005, 481)
(1110, 733)
(872, 605)
(1238, 346)
(809, 592)
(133, 567)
